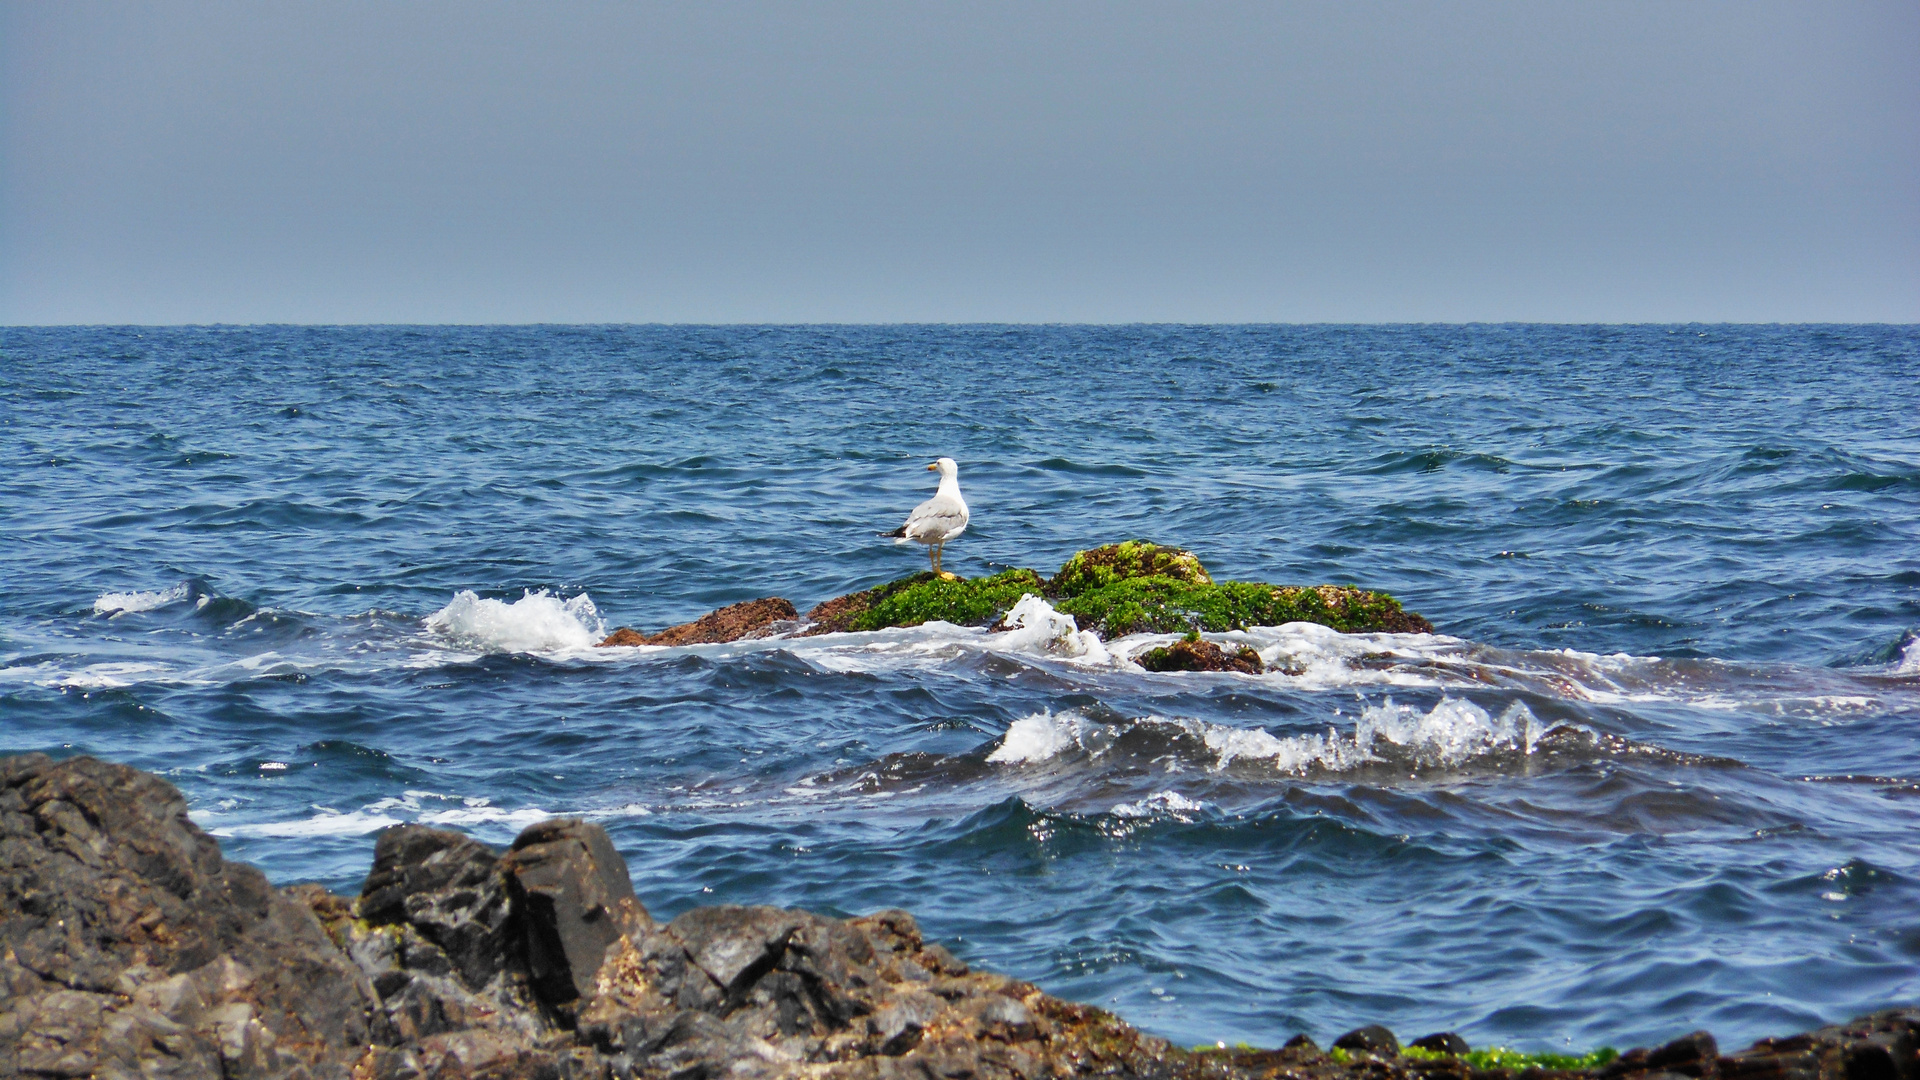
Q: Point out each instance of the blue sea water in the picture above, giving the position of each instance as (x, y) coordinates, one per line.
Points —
(1659, 770)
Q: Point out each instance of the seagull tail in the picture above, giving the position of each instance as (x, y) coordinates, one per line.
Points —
(899, 535)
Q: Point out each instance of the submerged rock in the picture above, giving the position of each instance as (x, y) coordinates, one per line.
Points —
(1193, 654)
(748, 619)
(129, 947)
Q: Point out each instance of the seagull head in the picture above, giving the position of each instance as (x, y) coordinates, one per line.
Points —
(945, 467)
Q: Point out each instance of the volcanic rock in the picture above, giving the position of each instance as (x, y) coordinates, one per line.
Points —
(129, 947)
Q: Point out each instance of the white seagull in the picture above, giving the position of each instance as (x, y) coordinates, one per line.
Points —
(940, 518)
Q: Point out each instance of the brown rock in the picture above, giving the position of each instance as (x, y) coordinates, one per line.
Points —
(748, 619)
(1192, 653)
(837, 614)
(1405, 622)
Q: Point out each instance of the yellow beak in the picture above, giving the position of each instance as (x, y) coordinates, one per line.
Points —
(933, 467)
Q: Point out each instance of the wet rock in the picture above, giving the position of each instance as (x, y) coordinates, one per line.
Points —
(1695, 1054)
(748, 619)
(1192, 653)
(1372, 1039)
(1442, 1042)
(574, 898)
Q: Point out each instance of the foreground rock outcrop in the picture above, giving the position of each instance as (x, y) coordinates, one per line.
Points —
(130, 948)
(1117, 589)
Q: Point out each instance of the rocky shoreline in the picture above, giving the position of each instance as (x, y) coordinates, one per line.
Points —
(130, 948)
(1116, 589)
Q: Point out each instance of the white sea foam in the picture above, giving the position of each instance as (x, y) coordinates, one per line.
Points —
(1159, 804)
(122, 603)
(108, 676)
(356, 823)
(420, 807)
(1909, 663)
(1038, 737)
(537, 622)
(1037, 628)
(1453, 732)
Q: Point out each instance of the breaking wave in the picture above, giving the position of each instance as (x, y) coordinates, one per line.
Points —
(536, 622)
(1454, 731)
(127, 603)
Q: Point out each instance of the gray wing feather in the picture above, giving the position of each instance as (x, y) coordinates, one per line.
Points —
(936, 520)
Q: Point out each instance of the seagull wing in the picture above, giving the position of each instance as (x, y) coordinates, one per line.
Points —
(939, 519)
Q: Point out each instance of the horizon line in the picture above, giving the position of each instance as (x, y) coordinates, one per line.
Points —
(217, 325)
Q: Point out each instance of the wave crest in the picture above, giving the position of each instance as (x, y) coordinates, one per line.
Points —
(537, 622)
(128, 603)
(1452, 733)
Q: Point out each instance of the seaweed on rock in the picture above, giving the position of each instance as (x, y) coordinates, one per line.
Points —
(1166, 605)
(962, 601)
(1097, 568)
(1118, 589)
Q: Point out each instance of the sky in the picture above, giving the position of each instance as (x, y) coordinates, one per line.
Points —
(1113, 161)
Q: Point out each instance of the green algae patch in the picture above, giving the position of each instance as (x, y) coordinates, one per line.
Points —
(1097, 568)
(1119, 589)
(963, 601)
(1499, 1057)
(1168, 605)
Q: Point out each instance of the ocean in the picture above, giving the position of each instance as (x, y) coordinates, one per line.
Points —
(1658, 769)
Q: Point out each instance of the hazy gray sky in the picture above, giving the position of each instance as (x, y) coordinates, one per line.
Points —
(1028, 161)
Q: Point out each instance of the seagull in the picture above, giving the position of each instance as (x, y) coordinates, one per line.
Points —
(940, 518)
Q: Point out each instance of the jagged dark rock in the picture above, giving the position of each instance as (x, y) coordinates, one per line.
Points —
(129, 947)
(574, 899)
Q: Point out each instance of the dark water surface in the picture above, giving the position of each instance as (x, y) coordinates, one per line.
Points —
(1660, 771)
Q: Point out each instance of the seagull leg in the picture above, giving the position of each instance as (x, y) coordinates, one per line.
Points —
(933, 552)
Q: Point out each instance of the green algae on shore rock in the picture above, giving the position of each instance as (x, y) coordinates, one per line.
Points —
(923, 598)
(1118, 589)
(1167, 605)
(1096, 568)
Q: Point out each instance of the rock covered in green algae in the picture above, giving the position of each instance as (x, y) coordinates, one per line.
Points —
(1165, 605)
(1191, 653)
(1119, 589)
(924, 598)
(1097, 568)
